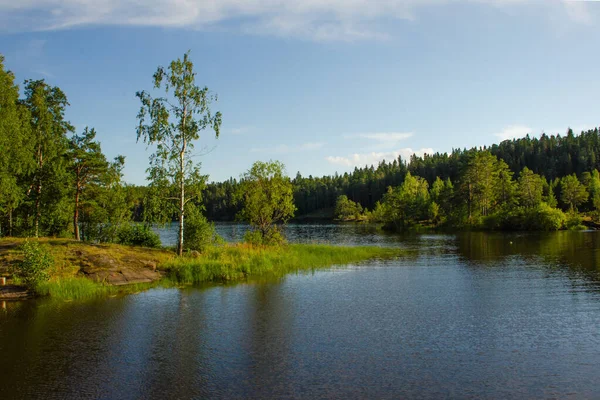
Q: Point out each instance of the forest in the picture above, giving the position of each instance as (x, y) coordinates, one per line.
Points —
(55, 181)
(496, 187)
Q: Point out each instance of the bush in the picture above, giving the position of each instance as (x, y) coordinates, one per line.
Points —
(37, 260)
(272, 237)
(199, 234)
(138, 235)
(540, 218)
(550, 218)
(574, 221)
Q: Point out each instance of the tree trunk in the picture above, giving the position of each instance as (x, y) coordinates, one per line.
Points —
(37, 209)
(470, 195)
(181, 202)
(181, 193)
(10, 222)
(76, 215)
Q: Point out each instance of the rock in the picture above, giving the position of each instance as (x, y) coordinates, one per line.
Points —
(14, 292)
(150, 265)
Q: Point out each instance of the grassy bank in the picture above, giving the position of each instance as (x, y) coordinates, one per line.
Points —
(83, 270)
(238, 262)
(81, 288)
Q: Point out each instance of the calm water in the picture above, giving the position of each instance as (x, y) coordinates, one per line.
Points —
(462, 316)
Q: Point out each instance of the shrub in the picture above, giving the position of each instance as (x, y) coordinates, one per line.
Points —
(272, 237)
(138, 235)
(199, 234)
(37, 260)
(540, 218)
(574, 221)
(550, 218)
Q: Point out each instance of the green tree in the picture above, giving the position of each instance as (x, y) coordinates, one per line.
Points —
(531, 187)
(593, 187)
(480, 184)
(15, 145)
(346, 208)
(573, 192)
(88, 166)
(173, 123)
(267, 197)
(47, 105)
(505, 187)
(407, 204)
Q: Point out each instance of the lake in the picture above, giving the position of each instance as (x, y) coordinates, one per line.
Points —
(469, 315)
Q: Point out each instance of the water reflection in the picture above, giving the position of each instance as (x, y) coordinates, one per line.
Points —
(469, 315)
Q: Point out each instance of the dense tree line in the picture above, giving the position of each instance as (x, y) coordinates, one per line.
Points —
(552, 157)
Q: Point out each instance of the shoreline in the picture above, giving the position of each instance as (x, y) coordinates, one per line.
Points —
(83, 270)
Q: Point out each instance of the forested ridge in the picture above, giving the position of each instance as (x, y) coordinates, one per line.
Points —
(550, 156)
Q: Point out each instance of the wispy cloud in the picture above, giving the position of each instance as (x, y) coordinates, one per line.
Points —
(382, 140)
(285, 149)
(520, 131)
(373, 158)
(513, 132)
(321, 20)
(240, 130)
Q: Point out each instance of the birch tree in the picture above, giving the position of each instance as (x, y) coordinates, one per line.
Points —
(173, 124)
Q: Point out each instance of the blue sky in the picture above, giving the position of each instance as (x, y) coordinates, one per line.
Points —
(322, 85)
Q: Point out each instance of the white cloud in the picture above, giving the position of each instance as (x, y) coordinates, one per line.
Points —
(513, 132)
(382, 140)
(578, 11)
(322, 20)
(373, 158)
(284, 148)
(239, 130)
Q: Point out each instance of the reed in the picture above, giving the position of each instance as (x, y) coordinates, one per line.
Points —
(238, 262)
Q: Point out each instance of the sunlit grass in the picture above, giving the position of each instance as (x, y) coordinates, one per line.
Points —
(238, 262)
(81, 288)
(226, 263)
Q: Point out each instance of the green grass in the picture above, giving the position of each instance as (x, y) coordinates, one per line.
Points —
(238, 262)
(227, 263)
(81, 288)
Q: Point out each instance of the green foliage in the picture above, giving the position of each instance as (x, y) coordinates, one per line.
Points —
(80, 288)
(346, 209)
(272, 237)
(232, 263)
(88, 167)
(531, 187)
(482, 187)
(15, 148)
(574, 221)
(47, 106)
(549, 218)
(540, 218)
(594, 189)
(434, 212)
(573, 193)
(138, 235)
(199, 234)
(173, 123)
(266, 195)
(37, 261)
(407, 204)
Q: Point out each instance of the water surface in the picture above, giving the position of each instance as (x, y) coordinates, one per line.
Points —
(461, 316)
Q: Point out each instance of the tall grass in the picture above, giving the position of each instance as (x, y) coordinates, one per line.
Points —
(80, 288)
(238, 262)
